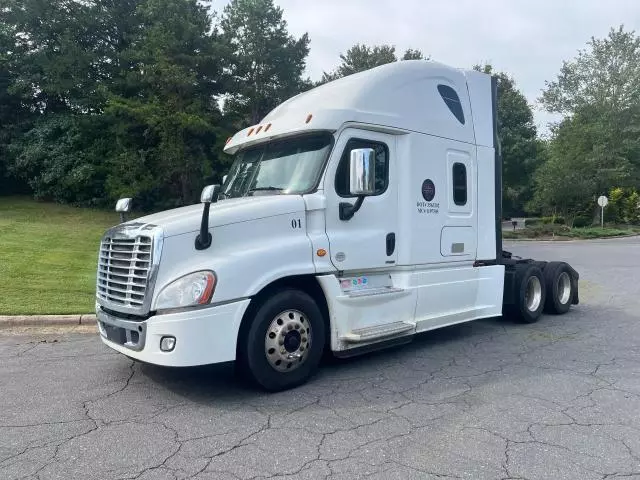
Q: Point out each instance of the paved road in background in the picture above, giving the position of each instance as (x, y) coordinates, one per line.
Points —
(487, 400)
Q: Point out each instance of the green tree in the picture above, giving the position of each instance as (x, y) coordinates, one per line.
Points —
(55, 72)
(264, 62)
(561, 183)
(361, 57)
(15, 117)
(598, 92)
(521, 150)
(164, 124)
(605, 76)
(412, 54)
(47, 71)
(122, 98)
(58, 163)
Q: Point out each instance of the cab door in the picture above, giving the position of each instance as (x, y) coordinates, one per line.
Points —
(367, 240)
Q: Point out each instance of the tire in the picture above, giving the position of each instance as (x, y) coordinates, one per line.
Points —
(530, 294)
(560, 288)
(260, 351)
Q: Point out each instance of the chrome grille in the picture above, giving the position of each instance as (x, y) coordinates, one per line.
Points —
(124, 270)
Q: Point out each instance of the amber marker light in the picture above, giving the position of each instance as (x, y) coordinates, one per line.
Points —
(309, 117)
(321, 252)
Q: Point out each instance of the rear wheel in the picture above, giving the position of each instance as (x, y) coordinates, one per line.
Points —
(530, 294)
(283, 346)
(559, 285)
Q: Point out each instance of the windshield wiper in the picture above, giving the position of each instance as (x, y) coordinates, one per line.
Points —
(265, 189)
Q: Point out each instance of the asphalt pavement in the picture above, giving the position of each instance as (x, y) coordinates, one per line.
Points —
(559, 399)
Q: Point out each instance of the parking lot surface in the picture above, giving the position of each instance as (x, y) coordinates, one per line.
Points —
(559, 399)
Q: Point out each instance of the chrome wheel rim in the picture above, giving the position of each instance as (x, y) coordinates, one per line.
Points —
(288, 341)
(533, 294)
(564, 288)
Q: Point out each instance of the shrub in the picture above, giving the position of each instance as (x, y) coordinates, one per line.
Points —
(582, 221)
(547, 230)
(623, 207)
(553, 220)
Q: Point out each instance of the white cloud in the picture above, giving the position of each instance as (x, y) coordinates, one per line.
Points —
(527, 39)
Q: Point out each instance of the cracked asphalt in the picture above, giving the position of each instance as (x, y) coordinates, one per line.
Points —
(559, 399)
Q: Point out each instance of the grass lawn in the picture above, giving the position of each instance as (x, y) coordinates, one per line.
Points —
(48, 256)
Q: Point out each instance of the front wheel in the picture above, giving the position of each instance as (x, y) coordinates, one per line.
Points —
(283, 346)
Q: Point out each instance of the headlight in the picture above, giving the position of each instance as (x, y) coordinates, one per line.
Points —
(190, 290)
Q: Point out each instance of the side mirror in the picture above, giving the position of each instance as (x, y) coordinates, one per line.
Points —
(122, 207)
(362, 180)
(209, 195)
(362, 172)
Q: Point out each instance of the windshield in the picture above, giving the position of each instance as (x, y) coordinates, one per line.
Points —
(289, 166)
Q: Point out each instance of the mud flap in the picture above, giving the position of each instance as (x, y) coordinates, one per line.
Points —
(575, 276)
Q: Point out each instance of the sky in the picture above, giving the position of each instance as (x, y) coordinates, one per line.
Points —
(528, 39)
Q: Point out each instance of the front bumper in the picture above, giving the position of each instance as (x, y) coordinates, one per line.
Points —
(203, 336)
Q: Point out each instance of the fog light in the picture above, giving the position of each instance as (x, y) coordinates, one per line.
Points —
(167, 344)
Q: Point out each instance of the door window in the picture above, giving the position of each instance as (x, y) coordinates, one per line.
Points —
(382, 166)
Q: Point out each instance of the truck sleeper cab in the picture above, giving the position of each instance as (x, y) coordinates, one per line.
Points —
(354, 216)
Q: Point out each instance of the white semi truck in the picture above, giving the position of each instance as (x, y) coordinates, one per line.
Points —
(355, 216)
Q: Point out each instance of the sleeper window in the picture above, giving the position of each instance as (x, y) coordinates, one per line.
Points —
(382, 166)
(452, 101)
(459, 184)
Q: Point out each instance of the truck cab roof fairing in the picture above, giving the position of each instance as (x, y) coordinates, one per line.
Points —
(405, 95)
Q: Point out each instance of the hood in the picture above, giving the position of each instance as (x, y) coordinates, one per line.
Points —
(234, 210)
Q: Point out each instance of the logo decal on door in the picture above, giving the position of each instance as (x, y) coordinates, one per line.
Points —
(428, 190)
(428, 193)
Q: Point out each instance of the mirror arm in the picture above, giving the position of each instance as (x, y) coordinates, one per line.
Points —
(347, 211)
(203, 240)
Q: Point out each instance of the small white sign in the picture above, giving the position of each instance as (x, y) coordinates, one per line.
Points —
(603, 201)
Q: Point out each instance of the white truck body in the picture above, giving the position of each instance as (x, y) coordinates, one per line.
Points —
(422, 252)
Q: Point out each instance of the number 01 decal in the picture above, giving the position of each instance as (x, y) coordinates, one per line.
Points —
(295, 223)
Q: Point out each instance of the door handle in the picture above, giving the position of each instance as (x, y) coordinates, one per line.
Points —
(391, 243)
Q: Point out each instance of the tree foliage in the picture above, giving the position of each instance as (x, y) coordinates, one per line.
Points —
(264, 62)
(521, 150)
(105, 98)
(361, 57)
(605, 76)
(597, 145)
(163, 124)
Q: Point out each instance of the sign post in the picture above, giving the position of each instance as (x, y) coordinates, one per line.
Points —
(602, 201)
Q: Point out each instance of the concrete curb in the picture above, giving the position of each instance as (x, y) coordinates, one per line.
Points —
(29, 320)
